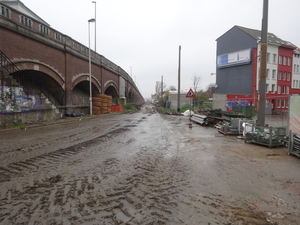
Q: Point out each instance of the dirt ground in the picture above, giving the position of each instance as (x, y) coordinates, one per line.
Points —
(143, 168)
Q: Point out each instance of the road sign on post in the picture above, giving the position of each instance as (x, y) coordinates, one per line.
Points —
(190, 94)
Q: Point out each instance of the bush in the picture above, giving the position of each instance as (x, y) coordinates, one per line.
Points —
(162, 110)
(185, 107)
(129, 108)
(207, 104)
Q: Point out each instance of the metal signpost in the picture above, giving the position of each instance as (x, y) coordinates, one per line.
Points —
(190, 94)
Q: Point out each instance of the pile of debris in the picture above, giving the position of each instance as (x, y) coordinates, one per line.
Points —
(207, 120)
(294, 144)
(269, 136)
(234, 127)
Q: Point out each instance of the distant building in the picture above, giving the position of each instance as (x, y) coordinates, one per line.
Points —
(173, 99)
(238, 66)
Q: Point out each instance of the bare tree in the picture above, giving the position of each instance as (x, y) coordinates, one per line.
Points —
(196, 80)
(158, 88)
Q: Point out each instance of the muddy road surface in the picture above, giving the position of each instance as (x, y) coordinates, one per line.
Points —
(143, 168)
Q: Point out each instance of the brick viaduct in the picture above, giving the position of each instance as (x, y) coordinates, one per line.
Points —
(45, 56)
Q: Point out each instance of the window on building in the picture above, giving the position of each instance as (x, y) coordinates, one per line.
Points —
(297, 68)
(273, 88)
(284, 76)
(288, 78)
(274, 58)
(279, 75)
(297, 84)
(75, 45)
(5, 12)
(268, 72)
(26, 21)
(58, 36)
(267, 88)
(280, 59)
(273, 74)
(284, 60)
(293, 84)
(268, 57)
(83, 49)
(287, 89)
(289, 61)
(44, 29)
(279, 89)
(282, 103)
(278, 103)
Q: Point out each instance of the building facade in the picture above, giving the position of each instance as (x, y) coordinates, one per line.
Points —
(238, 69)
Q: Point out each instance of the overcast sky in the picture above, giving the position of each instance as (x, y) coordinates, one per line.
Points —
(143, 36)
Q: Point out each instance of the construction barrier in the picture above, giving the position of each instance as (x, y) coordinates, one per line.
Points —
(116, 108)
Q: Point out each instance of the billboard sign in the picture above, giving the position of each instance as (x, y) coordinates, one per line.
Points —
(234, 58)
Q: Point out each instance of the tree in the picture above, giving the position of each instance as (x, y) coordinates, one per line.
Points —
(196, 81)
(158, 88)
(172, 88)
(211, 89)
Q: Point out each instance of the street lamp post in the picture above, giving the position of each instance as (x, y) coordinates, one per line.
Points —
(95, 24)
(90, 66)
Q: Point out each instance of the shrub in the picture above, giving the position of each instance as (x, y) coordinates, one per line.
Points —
(130, 108)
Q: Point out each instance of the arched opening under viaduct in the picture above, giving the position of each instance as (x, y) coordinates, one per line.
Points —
(81, 93)
(43, 89)
(111, 90)
(129, 96)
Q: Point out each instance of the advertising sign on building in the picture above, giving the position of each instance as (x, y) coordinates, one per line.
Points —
(234, 58)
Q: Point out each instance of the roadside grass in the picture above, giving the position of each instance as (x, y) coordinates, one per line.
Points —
(129, 108)
(14, 126)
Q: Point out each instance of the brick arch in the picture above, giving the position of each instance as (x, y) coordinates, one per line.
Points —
(85, 77)
(129, 89)
(41, 67)
(111, 83)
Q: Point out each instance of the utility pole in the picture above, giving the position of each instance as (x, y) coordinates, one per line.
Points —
(263, 67)
(178, 103)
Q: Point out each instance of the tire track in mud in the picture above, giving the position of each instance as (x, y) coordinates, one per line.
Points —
(33, 164)
(154, 184)
(107, 195)
(69, 198)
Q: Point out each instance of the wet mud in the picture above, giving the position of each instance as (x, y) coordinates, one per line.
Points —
(143, 168)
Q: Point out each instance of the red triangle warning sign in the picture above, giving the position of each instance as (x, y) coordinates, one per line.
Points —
(190, 94)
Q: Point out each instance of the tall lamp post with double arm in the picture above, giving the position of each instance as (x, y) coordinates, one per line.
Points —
(90, 65)
(95, 25)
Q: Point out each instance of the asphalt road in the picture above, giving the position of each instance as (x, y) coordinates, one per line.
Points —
(143, 168)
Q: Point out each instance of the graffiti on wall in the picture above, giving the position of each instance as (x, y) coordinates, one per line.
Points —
(14, 99)
(229, 104)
